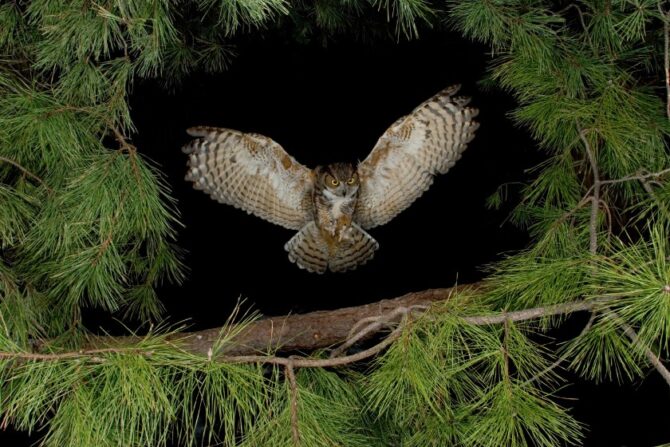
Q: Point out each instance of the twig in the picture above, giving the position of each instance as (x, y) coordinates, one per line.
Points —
(638, 176)
(584, 200)
(375, 323)
(581, 21)
(306, 362)
(538, 312)
(593, 229)
(595, 198)
(651, 356)
(661, 204)
(27, 172)
(293, 388)
(88, 353)
(505, 351)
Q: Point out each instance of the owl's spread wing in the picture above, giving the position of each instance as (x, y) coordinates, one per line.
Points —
(251, 172)
(415, 148)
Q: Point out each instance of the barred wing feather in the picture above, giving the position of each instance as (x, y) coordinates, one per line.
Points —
(251, 172)
(410, 153)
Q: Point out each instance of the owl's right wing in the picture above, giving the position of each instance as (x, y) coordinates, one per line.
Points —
(251, 172)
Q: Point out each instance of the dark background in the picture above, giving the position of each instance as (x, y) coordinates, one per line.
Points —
(331, 103)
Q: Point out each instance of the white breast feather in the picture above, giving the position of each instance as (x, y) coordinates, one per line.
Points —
(337, 202)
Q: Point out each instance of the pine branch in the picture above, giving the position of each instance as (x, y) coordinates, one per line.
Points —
(595, 198)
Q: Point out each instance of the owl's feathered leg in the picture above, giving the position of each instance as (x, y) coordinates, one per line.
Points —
(311, 251)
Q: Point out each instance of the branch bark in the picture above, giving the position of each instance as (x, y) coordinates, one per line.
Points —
(302, 332)
(313, 330)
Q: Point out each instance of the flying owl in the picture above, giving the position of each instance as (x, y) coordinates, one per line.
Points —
(332, 206)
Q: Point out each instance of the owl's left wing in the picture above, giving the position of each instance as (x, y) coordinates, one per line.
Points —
(410, 153)
(251, 172)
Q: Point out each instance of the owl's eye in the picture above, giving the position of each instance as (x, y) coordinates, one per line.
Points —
(351, 181)
(334, 181)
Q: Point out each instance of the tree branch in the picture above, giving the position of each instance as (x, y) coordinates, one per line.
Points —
(651, 356)
(662, 206)
(595, 198)
(638, 176)
(293, 389)
(310, 331)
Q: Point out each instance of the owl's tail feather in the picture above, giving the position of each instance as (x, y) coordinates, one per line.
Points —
(357, 249)
(310, 251)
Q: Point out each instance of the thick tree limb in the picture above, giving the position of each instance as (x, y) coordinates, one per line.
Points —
(310, 331)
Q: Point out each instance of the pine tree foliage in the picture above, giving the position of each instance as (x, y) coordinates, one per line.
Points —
(87, 221)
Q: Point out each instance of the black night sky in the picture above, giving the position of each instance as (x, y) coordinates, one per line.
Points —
(331, 103)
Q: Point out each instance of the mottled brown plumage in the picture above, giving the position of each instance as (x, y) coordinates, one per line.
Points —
(333, 205)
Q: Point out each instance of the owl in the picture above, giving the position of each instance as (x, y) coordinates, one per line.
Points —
(333, 206)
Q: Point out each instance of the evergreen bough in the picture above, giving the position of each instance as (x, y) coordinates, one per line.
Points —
(85, 220)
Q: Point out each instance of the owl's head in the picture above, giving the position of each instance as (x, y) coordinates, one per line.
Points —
(340, 179)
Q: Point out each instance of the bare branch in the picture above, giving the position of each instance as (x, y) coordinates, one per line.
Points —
(375, 324)
(595, 198)
(293, 388)
(662, 206)
(84, 353)
(538, 312)
(651, 356)
(638, 176)
(307, 362)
